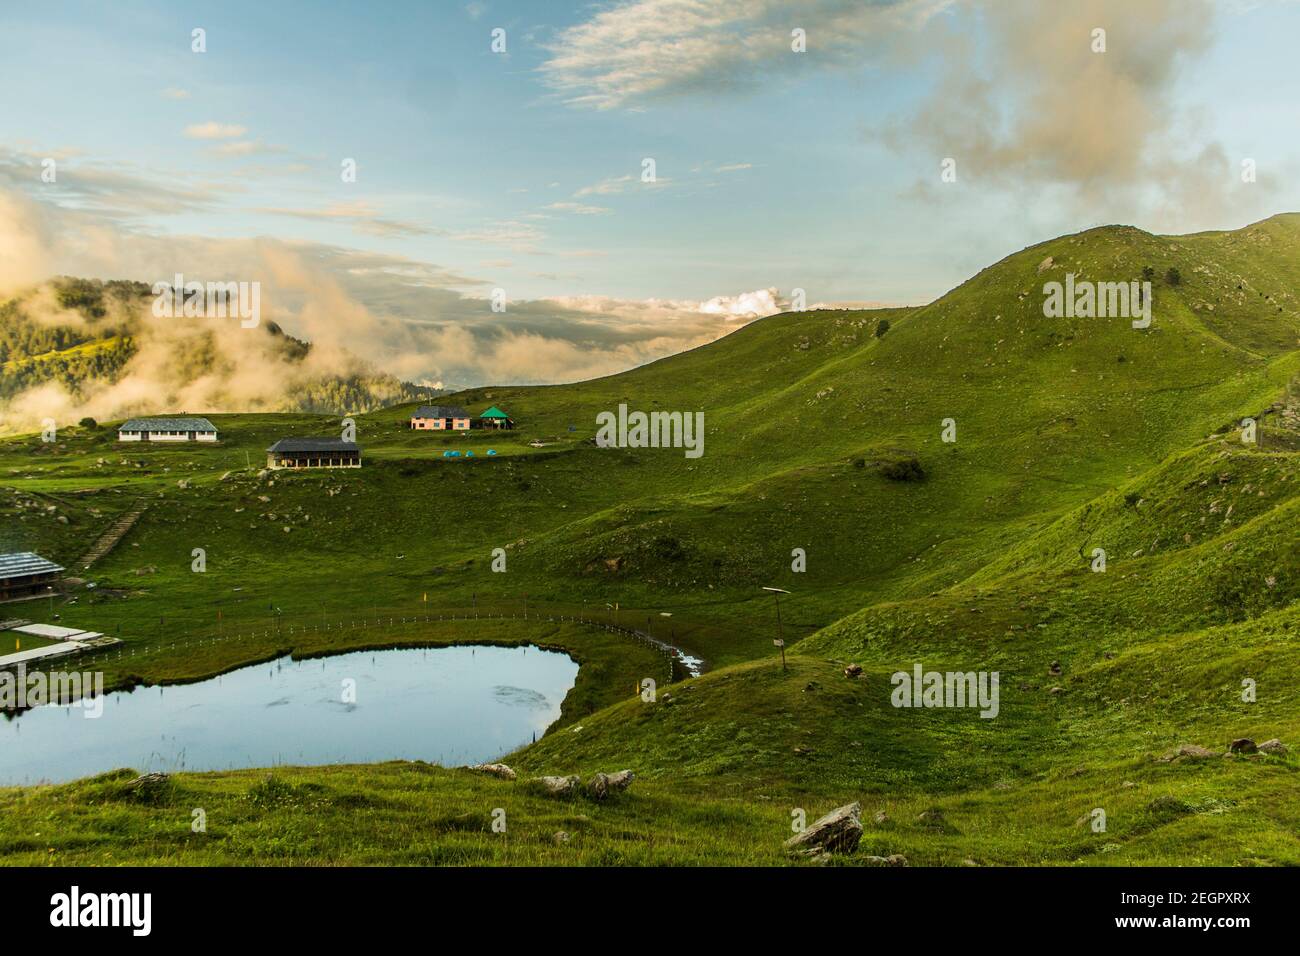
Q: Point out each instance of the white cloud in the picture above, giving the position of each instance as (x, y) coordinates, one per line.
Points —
(214, 130)
(246, 147)
(360, 214)
(577, 208)
(640, 49)
(756, 304)
(606, 187)
(118, 190)
(511, 234)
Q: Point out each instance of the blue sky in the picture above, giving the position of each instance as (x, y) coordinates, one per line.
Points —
(776, 170)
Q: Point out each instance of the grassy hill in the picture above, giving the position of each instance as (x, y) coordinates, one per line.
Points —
(823, 431)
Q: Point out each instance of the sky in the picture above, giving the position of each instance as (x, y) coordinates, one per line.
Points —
(522, 170)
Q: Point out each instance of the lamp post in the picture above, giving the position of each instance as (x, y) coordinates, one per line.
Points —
(780, 638)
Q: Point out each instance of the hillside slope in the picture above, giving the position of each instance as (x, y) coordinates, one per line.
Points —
(826, 435)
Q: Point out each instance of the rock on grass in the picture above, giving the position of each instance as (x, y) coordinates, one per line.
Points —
(602, 785)
(563, 787)
(495, 769)
(837, 832)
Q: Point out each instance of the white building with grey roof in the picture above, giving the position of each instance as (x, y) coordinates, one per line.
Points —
(167, 429)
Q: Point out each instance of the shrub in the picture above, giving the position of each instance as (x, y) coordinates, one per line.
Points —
(88, 423)
(882, 327)
(904, 469)
(1173, 276)
(667, 549)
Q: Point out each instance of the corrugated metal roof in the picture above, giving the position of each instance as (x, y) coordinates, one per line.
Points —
(299, 445)
(440, 411)
(23, 564)
(167, 425)
(52, 631)
(494, 412)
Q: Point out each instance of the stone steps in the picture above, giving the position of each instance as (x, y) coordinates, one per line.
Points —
(109, 539)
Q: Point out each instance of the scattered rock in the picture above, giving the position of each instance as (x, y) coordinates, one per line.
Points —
(1242, 745)
(853, 670)
(560, 838)
(1166, 805)
(894, 859)
(1046, 264)
(602, 785)
(881, 817)
(149, 785)
(1192, 752)
(932, 818)
(1054, 669)
(564, 787)
(496, 770)
(1274, 746)
(837, 832)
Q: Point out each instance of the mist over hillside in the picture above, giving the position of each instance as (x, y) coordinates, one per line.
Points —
(82, 348)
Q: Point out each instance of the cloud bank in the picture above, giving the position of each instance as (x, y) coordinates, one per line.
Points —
(412, 319)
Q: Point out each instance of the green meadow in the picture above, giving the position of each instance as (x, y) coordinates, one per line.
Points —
(824, 431)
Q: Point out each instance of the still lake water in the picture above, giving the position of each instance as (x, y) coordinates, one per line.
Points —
(447, 705)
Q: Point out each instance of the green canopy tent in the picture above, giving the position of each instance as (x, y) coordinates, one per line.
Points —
(495, 418)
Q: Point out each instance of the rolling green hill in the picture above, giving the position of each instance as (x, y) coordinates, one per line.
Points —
(824, 432)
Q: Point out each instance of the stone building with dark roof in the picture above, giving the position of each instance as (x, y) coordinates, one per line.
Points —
(313, 453)
(23, 574)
